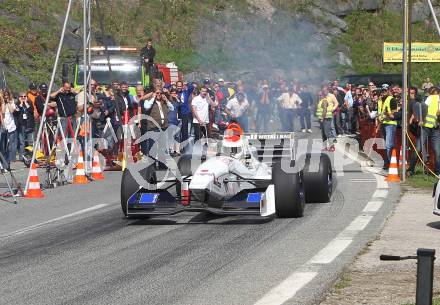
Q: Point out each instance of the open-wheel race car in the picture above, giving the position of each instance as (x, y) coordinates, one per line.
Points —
(242, 174)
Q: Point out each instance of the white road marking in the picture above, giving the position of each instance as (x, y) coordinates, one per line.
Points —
(37, 226)
(372, 170)
(380, 193)
(331, 251)
(287, 289)
(362, 180)
(381, 182)
(297, 280)
(359, 224)
(373, 206)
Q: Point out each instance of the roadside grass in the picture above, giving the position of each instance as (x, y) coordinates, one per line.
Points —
(343, 282)
(365, 249)
(420, 180)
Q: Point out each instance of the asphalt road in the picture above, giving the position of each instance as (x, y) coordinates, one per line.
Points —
(98, 257)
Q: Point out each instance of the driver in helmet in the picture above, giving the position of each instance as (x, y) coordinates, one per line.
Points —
(232, 143)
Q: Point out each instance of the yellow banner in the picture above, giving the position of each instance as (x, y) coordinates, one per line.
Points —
(420, 52)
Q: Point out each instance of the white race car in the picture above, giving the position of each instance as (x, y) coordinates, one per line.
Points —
(239, 175)
(436, 195)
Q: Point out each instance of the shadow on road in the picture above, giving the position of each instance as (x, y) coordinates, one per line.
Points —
(434, 225)
(203, 218)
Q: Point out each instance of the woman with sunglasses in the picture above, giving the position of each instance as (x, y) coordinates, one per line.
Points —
(9, 109)
(25, 124)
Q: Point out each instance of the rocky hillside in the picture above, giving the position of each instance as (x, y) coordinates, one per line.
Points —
(311, 40)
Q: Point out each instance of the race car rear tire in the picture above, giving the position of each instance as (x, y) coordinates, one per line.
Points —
(184, 165)
(129, 186)
(318, 182)
(289, 193)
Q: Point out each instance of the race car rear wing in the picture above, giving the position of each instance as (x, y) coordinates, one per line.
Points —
(272, 146)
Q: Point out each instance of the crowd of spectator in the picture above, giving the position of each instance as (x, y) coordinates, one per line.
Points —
(203, 109)
(197, 109)
(342, 111)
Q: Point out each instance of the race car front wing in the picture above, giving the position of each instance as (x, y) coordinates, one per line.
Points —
(259, 202)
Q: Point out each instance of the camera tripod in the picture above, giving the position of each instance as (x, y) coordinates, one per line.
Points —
(3, 172)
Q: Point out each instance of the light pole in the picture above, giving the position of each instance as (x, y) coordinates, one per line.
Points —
(87, 75)
(406, 25)
(46, 102)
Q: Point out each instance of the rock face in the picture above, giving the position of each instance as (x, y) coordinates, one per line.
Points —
(337, 7)
(292, 46)
(263, 8)
(370, 5)
(271, 40)
(342, 8)
(328, 18)
(420, 12)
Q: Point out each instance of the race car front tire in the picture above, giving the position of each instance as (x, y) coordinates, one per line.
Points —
(289, 193)
(129, 186)
(318, 178)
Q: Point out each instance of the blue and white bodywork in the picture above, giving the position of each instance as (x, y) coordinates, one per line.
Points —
(242, 179)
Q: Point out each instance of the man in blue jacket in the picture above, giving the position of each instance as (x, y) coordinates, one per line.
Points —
(183, 95)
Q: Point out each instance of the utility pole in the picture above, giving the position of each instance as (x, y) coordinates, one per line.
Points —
(52, 80)
(406, 23)
(87, 31)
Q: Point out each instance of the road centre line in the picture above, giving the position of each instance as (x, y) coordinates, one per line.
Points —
(37, 226)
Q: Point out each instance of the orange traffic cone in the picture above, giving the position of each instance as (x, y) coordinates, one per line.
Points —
(96, 168)
(401, 159)
(34, 190)
(393, 174)
(80, 177)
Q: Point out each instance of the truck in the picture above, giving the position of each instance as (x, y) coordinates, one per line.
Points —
(126, 65)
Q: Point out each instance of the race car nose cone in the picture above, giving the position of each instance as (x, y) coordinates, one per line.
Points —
(201, 181)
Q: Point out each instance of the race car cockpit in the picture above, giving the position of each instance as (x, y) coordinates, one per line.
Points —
(234, 144)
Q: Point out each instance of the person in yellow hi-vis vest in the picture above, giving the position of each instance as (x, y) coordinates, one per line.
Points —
(430, 124)
(324, 113)
(388, 123)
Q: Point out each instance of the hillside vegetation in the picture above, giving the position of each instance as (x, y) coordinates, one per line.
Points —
(217, 37)
(366, 34)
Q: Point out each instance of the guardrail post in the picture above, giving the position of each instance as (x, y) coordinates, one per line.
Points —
(425, 276)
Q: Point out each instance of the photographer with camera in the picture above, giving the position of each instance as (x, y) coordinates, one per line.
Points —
(157, 106)
(124, 101)
(65, 103)
(25, 123)
(99, 111)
